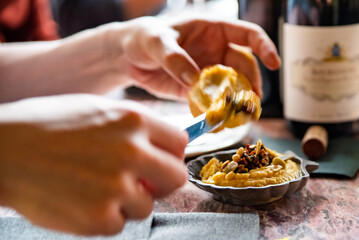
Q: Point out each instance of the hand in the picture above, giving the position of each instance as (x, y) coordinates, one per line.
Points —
(211, 42)
(85, 164)
(166, 57)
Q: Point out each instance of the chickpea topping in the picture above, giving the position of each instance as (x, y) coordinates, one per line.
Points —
(279, 161)
(240, 151)
(224, 164)
(230, 167)
(253, 165)
(258, 146)
(236, 158)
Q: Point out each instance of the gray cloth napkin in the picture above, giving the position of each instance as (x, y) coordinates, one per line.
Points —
(205, 226)
(169, 226)
(14, 228)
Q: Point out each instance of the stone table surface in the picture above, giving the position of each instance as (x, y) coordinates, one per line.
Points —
(326, 208)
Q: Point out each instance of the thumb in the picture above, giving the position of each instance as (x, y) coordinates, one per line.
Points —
(174, 59)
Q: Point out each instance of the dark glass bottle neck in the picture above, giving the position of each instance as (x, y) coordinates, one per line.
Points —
(322, 12)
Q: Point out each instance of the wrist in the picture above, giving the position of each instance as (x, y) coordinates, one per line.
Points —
(93, 60)
(113, 37)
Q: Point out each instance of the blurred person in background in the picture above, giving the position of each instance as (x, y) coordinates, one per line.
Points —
(26, 20)
(76, 15)
(82, 163)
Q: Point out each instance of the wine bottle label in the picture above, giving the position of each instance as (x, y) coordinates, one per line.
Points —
(321, 73)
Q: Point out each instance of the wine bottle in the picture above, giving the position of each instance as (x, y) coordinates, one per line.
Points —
(321, 65)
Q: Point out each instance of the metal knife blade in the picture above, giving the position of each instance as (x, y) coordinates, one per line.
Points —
(199, 127)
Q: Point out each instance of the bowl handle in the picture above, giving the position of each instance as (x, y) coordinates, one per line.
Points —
(310, 166)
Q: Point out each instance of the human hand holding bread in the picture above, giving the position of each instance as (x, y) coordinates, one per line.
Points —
(166, 58)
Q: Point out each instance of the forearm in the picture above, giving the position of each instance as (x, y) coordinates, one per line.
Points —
(81, 63)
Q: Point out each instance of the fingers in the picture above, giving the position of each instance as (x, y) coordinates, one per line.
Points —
(163, 171)
(137, 203)
(105, 220)
(176, 61)
(155, 152)
(242, 59)
(168, 138)
(251, 35)
(160, 84)
(64, 213)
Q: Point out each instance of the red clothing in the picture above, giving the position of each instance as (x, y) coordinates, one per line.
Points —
(26, 20)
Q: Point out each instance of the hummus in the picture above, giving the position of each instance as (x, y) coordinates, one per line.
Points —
(253, 166)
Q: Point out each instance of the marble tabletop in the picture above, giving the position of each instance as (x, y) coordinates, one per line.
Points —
(327, 208)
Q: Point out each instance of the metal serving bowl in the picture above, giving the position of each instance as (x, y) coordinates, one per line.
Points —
(249, 195)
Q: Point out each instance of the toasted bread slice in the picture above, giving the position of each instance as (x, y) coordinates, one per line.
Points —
(225, 94)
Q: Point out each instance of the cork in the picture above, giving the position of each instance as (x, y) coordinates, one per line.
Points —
(315, 142)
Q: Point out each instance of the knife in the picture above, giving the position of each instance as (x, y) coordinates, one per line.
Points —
(199, 127)
(242, 101)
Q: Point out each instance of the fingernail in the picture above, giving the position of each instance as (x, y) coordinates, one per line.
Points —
(260, 93)
(188, 77)
(273, 60)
